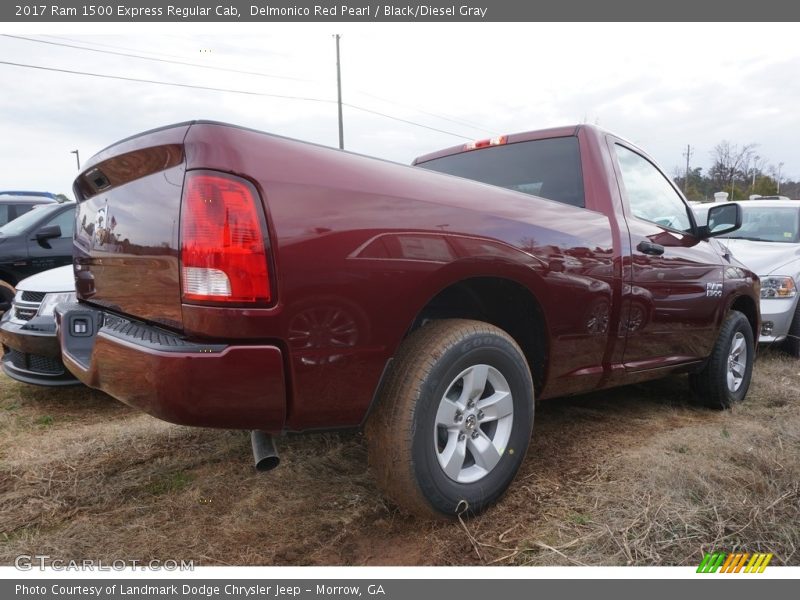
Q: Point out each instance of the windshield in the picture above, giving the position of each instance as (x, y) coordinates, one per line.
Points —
(26, 221)
(768, 224)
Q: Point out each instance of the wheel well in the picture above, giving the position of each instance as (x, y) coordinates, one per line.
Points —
(501, 302)
(746, 306)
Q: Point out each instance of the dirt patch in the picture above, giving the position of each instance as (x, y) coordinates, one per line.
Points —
(636, 475)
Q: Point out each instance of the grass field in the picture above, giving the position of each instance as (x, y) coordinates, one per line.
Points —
(634, 476)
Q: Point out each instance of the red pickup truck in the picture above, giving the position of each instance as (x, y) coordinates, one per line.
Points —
(231, 278)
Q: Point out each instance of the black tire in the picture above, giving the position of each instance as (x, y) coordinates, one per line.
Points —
(792, 343)
(405, 441)
(711, 385)
(7, 293)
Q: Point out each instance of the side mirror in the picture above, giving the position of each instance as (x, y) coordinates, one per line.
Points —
(722, 219)
(48, 233)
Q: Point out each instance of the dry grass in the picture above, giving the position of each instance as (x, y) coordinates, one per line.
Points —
(632, 476)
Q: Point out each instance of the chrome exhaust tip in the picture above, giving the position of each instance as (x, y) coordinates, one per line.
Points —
(264, 452)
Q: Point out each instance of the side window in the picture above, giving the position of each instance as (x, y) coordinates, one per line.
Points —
(650, 195)
(4, 218)
(66, 220)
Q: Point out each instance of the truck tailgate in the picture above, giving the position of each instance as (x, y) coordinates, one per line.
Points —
(127, 226)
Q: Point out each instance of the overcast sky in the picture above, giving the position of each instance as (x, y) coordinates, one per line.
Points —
(662, 86)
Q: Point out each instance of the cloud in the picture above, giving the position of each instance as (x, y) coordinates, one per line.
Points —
(661, 85)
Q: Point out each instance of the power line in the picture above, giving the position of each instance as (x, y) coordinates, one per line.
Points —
(380, 114)
(161, 60)
(231, 91)
(432, 114)
(128, 55)
(85, 43)
(170, 83)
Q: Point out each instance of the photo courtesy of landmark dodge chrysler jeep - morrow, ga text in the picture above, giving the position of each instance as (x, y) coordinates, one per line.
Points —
(231, 278)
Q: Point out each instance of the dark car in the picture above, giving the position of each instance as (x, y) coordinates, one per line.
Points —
(40, 239)
(16, 204)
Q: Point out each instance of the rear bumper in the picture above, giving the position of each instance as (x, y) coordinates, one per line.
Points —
(32, 355)
(184, 382)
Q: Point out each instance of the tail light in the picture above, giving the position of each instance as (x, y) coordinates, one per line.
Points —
(223, 250)
(495, 141)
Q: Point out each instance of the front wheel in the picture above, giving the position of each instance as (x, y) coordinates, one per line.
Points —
(454, 419)
(726, 377)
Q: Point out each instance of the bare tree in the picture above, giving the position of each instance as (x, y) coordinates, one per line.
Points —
(731, 163)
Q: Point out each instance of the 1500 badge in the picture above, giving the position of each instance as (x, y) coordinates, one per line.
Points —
(714, 289)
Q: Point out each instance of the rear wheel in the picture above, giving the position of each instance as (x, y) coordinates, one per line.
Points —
(792, 343)
(453, 420)
(726, 377)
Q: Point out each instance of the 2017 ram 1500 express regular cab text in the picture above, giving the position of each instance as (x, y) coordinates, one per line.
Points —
(230, 278)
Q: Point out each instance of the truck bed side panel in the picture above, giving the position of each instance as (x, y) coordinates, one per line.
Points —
(361, 245)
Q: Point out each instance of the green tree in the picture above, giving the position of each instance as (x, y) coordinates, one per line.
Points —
(765, 186)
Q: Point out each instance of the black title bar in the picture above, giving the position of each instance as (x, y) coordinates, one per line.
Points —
(743, 587)
(148, 11)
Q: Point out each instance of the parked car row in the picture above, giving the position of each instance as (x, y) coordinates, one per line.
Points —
(768, 242)
(267, 284)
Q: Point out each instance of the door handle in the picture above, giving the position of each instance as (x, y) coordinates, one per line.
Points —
(650, 248)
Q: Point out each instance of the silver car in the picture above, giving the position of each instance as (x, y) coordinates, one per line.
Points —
(31, 352)
(769, 244)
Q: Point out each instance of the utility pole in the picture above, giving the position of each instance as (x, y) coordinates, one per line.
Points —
(339, 89)
(77, 158)
(755, 170)
(780, 166)
(688, 155)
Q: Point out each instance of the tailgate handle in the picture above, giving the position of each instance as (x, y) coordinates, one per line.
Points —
(650, 248)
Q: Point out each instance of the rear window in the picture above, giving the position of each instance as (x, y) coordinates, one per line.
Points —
(548, 168)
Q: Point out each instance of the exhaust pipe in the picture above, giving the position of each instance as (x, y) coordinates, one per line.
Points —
(264, 451)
